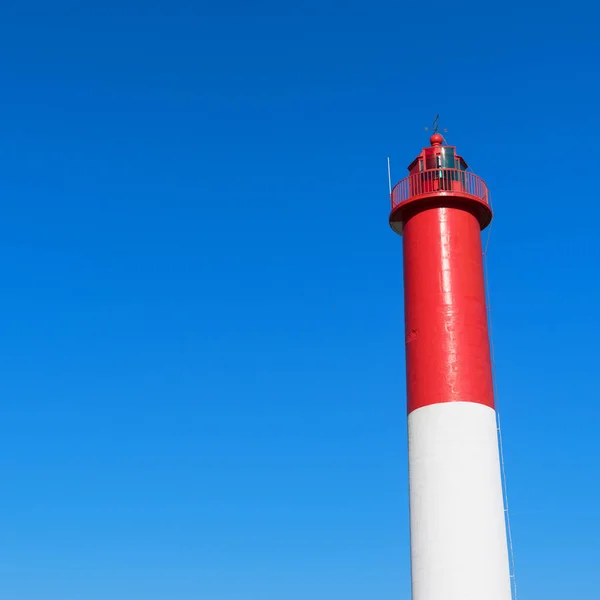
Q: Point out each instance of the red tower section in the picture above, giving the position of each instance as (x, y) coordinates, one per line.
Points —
(440, 210)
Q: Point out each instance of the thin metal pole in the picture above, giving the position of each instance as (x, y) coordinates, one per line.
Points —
(513, 579)
(389, 176)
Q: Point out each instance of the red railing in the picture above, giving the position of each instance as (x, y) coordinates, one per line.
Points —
(439, 180)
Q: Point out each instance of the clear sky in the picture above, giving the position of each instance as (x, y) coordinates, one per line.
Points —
(202, 363)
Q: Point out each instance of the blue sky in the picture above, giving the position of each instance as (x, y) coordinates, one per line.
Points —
(202, 391)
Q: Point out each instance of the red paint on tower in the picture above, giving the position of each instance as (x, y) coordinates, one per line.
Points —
(440, 210)
(447, 350)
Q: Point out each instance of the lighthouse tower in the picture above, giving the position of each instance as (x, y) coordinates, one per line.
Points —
(458, 535)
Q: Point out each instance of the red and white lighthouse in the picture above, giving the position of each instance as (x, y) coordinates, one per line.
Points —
(458, 536)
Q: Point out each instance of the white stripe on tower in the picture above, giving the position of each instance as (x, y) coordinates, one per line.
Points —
(458, 538)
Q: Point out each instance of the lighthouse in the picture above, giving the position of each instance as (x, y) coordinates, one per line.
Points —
(458, 538)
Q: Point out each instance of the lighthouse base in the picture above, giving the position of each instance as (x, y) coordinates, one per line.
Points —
(458, 533)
